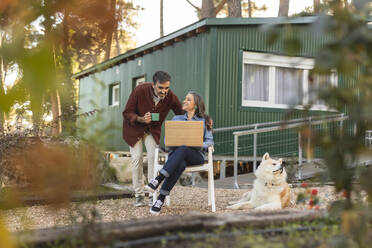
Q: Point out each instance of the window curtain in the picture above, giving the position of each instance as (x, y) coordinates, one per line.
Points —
(116, 94)
(288, 86)
(255, 83)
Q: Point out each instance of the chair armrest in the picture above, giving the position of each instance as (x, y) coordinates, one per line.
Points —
(210, 152)
(210, 149)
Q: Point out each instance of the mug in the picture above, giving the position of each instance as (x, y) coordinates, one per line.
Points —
(154, 116)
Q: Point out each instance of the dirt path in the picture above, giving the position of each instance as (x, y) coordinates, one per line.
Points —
(184, 200)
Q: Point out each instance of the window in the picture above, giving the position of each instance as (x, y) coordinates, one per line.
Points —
(114, 94)
(137, 81)
(275, 81)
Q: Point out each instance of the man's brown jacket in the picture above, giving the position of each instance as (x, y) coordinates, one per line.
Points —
(139, 103)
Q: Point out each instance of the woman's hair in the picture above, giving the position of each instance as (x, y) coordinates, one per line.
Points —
(200, 109)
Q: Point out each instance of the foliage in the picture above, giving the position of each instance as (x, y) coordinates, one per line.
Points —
(347, 51)
(352, 40)
(17, 150)
(48, 40)
(8, 142)
(61, 168)
(299, 234)
(5, 241)
(308, 196)
(246, 11)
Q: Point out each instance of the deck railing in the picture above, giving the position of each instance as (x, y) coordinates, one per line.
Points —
(258, 128)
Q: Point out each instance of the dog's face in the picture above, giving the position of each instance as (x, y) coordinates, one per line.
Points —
(270, 170)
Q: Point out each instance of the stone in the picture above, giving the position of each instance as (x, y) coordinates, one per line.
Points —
(122, 168)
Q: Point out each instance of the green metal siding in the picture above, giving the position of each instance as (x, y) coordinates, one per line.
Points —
(94, 94)
(231, 41)
(186, 61)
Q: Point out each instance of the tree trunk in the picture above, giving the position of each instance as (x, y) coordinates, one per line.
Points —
(2, 83)
(249, 8)
(2, 114)
(316, 6)
(234, 8)
(56, 112)
(161, 19)
(283, 8)
(36, 104)
(19, 121)
(207, 9)
(117, 41)
(37, 97)
(65, 99)
(110, 29)
(219, 7)
(36, 108)
(346, 3)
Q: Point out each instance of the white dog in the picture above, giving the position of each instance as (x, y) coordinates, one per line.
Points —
(270, 188)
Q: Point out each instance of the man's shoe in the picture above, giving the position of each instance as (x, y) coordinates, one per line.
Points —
(140, 201)
(152, 186)
(155, 209)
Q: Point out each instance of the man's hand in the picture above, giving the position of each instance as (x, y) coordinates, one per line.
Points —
(145, 119)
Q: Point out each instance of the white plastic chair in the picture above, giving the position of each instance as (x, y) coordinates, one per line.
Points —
(208, 167)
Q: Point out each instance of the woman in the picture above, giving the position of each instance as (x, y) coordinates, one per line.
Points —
(182, 156)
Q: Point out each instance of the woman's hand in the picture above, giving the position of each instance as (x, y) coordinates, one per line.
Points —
(209, 123)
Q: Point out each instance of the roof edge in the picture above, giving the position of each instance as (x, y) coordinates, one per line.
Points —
(111, 62)
(207, 22)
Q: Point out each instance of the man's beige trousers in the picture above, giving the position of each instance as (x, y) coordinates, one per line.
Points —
(137, 162)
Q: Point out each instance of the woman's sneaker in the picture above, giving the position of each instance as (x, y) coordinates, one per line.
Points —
(152, 186)
(155, 209)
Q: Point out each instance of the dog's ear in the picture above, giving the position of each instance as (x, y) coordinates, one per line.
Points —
(266, 156)
(280, 160)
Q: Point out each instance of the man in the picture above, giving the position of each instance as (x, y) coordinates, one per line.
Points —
(147, 107)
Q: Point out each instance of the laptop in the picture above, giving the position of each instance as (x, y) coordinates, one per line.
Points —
(188, 133)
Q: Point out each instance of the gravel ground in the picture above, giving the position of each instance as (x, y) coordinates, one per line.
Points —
(184, 200)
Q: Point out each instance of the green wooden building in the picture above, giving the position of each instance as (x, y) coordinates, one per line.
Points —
(242, 77)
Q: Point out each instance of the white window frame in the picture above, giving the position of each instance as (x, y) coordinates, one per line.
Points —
(140, 80)
(115, 102)
(273, 61)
